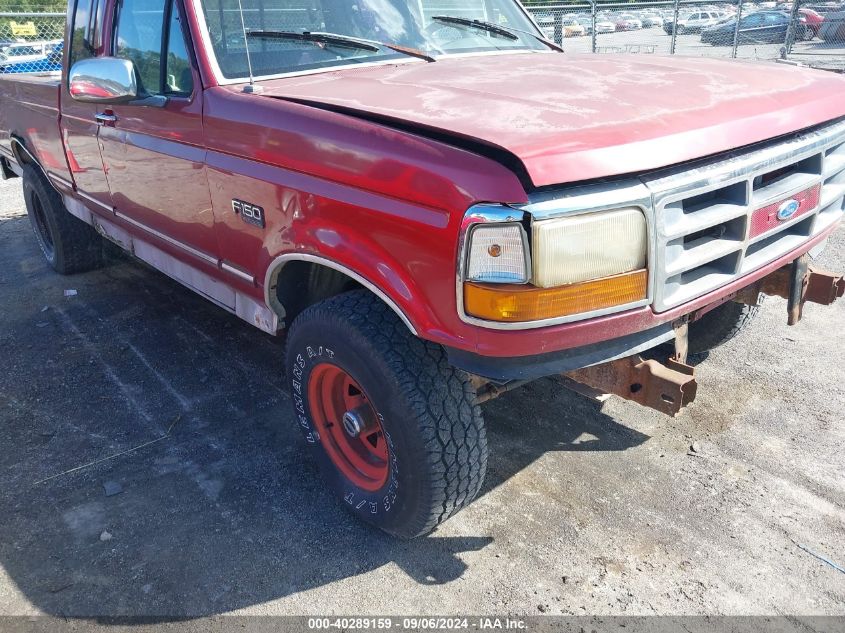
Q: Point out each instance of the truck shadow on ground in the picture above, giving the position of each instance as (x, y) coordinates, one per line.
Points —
(150, 465)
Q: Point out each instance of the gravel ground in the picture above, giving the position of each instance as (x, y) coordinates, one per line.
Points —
(587, 509)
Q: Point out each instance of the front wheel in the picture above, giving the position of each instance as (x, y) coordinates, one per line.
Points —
(393, 427)
(719, 326)
(681, 30)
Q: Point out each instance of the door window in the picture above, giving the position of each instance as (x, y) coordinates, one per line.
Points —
(149, 33)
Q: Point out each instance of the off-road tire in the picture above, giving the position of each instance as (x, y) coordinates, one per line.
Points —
(719, 326)
(69, 245)
(435, 433)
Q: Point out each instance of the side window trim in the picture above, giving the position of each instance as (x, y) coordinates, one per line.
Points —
(115, 27)
(79, 48)
(165, 46)
(177, 7)
(93, 31)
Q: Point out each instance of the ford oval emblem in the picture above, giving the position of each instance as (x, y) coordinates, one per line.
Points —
(788, 209)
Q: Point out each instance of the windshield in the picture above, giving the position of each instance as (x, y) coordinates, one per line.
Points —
(406, 23)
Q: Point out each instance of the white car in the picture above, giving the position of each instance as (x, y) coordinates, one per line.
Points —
(605, 26)
(694, 22)
(602, 25)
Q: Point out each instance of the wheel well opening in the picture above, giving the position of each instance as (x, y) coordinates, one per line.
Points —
(300, 284)
(23, 157)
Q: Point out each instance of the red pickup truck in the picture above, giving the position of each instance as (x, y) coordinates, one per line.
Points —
(434, 203)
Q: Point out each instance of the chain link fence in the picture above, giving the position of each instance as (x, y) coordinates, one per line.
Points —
(805, 31)
(799, 30)
(31, 41)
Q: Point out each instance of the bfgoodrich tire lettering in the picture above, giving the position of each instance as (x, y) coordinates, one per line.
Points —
(434, 433)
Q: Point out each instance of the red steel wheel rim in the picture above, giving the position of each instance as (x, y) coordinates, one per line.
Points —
(349, 428)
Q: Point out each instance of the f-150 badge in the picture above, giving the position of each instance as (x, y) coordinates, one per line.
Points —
(250, 213)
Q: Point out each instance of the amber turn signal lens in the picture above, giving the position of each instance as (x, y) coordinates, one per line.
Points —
(512, 303)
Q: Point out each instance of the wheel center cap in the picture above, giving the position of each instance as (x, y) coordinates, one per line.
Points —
(352, 423)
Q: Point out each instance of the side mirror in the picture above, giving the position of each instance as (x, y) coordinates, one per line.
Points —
(103, 80)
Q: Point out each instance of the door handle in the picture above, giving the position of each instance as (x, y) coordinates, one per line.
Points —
(104, 118)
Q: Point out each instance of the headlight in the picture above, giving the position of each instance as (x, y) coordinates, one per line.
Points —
(578, 264)
(589, 246)
(497, 253)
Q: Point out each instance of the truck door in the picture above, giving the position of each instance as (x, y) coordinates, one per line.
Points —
(78, 122)
(153, 152)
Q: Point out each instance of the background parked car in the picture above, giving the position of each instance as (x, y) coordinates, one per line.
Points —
(833, 27)
(767, 27)
(587, 24)
(813, 20)
(694, 22)
(605, 26)
(26, 51)
(52, 62)
(571, 28)
(628, 22)
(650, 20)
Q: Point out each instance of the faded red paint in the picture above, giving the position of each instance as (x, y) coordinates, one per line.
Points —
(574, 117)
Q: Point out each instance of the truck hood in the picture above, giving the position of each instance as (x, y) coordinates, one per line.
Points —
(569, 118)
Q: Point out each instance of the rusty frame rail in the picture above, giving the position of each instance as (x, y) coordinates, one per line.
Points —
(668, 388)
(799, 282)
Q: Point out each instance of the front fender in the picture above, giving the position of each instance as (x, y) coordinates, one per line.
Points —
(408, 263)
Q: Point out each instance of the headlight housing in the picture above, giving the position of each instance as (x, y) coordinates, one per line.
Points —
(589, 246)
(579, 265)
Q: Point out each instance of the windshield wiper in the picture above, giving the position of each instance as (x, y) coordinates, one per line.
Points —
(478, 24)
(336, 39)
(505, 31)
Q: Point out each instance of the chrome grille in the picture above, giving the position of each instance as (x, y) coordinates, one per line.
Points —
(703, 212)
